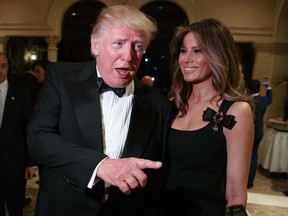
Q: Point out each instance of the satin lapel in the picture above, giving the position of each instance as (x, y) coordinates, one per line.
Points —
(85, 98)
(142, 126)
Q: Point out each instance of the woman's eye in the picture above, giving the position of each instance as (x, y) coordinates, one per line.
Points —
(197, 51)
(183, 50)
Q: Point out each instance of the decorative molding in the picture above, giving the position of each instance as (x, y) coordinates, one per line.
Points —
(24, 27)
(25, 30)
(252, 31)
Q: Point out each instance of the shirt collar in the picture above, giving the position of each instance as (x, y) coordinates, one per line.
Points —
(256, 94)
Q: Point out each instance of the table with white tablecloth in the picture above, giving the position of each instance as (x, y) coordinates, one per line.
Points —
(273, 150)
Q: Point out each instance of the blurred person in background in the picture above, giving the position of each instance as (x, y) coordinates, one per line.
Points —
(16, 165)
(147, 80)
(262, 102)
(39, 68)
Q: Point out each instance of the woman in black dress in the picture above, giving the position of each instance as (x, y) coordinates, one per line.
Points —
(212, 134)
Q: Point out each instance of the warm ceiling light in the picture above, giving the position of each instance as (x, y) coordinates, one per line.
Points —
(33, 56)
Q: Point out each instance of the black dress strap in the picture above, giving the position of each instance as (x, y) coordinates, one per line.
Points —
(225, 105)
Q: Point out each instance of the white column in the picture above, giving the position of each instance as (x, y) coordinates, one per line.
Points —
(52, 49)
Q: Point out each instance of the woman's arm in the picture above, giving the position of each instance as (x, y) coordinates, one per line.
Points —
(239, 146)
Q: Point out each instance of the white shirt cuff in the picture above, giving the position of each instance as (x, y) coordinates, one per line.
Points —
(93, 179)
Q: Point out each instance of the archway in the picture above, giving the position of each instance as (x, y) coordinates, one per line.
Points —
(76, 28)
(156, 60)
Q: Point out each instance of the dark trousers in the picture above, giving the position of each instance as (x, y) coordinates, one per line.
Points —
(11, 193)
(254, 161)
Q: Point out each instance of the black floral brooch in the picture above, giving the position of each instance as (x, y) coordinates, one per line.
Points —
(228, 121)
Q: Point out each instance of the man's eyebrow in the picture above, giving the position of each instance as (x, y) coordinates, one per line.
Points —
(119, 39)
(139, 40)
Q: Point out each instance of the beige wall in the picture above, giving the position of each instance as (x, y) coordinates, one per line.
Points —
(262, 22)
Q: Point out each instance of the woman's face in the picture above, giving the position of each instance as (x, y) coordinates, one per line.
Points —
(193, 62)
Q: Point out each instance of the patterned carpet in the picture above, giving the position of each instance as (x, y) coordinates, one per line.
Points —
(270, 199)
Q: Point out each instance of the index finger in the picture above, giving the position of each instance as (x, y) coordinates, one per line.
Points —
(148, 164)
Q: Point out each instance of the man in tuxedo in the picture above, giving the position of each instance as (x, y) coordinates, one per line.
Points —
(15, 111)
(101, 149)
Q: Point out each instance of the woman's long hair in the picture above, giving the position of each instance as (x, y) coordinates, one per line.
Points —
(217, 43)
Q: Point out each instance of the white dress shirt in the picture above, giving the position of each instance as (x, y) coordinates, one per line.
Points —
(115, 114)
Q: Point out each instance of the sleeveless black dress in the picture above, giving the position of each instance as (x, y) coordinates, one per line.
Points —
(196, 181)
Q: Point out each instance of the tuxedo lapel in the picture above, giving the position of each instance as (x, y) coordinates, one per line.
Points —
(142, 125)
(85, 98)
(140, 130)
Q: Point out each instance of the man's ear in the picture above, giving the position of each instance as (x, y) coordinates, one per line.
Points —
(94, 45)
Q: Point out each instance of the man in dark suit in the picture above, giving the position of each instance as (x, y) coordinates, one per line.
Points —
(254, 89)
(101, 152)
(15, 110)
(261, 102)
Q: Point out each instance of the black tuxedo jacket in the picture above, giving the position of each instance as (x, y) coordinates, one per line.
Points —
(65, 135)
(13, 148)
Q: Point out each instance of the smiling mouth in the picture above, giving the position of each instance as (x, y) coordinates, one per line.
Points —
(190, 68)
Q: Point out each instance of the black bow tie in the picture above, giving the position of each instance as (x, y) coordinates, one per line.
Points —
(103, 87)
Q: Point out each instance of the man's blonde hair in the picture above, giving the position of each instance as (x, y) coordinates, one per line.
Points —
(126, 16)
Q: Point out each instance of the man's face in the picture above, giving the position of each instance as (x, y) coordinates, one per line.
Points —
(118, 54)
(39, 73)
(3, 67)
